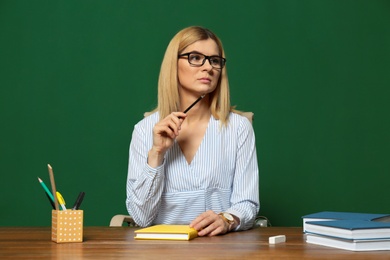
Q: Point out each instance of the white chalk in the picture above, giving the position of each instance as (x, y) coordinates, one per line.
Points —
(277, 239)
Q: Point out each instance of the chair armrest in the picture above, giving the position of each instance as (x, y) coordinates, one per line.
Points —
(118, 220)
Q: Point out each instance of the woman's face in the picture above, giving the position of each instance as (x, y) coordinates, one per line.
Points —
(198, 80)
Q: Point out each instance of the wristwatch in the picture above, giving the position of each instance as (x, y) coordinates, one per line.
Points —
(227, 217)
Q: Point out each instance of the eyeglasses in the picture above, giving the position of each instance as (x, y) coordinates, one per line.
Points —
(197, 59)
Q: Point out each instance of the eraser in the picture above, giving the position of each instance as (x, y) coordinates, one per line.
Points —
(277, 239)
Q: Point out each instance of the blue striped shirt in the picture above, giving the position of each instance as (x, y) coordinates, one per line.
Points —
(223, 176)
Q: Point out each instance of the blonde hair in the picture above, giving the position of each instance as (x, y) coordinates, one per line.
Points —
(168, 93)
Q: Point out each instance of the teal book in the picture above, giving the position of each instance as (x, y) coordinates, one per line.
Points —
(334, 215)
(328, 215)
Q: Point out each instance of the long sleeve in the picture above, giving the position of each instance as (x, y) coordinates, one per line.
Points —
(144, 184)
(223, 176)
(245, 194)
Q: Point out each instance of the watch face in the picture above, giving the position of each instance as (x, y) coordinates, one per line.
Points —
(228, 216)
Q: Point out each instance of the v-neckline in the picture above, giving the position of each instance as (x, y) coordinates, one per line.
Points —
(188, 164)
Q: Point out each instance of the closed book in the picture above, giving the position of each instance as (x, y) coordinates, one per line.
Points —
(166, 232)
(334, 215)
(349, 229)
(349, 244)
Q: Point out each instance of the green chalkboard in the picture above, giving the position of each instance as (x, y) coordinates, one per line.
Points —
(75, 76)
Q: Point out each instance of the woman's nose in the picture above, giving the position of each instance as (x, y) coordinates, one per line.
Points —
(207, 65)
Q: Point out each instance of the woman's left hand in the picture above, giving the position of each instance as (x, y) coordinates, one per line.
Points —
(210, 223)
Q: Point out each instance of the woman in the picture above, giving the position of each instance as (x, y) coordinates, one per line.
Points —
(199, 167)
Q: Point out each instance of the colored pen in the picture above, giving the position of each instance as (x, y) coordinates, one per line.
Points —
(61, 200)
(50, 200)
(79, 200)
(46, 189)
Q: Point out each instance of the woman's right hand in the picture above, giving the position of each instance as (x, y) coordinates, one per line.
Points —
(164, 135)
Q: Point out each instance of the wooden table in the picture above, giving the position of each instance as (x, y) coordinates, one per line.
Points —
(119, 243)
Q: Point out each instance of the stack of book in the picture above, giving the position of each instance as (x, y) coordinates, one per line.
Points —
(346, 230)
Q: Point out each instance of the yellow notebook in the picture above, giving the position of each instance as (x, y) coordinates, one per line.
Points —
(167, 232)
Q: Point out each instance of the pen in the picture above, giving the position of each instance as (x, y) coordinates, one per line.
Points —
(46, 189)
(61, 200)
(50, 200)
(79, 200)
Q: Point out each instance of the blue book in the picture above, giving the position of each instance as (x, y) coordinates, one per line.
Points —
(334, 215)
(349, 229)
(329, 215)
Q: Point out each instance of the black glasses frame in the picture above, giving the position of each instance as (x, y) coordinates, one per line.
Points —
(223, 60)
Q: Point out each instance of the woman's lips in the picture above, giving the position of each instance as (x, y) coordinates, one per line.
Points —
(205, 80)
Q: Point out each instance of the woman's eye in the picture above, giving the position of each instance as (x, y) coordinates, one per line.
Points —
(215, 61)
(196, 57)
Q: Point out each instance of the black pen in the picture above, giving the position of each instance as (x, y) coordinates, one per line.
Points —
(79, 200)
(51, 201)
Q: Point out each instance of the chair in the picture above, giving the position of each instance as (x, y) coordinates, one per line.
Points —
(249, 115)
(119, 220)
